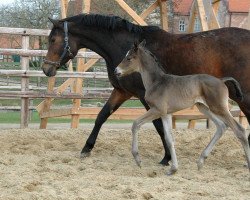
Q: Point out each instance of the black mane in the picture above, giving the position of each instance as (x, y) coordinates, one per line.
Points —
(108, 22)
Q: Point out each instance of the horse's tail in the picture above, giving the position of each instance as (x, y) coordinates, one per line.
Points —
(236, 85)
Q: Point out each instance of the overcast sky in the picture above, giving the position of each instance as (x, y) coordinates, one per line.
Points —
(4, 2)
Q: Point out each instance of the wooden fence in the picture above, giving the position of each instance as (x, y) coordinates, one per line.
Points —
(59, 93)
(25, 94)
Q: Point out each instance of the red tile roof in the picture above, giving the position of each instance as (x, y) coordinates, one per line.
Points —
(182, 7)
(238, 6)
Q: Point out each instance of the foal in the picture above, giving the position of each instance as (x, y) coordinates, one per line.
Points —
(167, 93)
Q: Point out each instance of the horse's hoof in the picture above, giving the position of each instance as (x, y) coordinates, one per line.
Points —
(164, 162)
(84, 155)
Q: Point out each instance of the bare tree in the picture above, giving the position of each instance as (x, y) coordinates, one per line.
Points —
(29, 13)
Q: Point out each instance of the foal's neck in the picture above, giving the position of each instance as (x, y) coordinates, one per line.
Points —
(150, 69)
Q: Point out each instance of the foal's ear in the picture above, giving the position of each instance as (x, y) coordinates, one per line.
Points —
(143, 43)
(54, 22)
(136, 44)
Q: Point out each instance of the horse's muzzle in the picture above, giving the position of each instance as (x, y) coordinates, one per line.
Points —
(49, 70)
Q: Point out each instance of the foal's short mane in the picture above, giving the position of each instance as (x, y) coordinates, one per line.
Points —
(156, 60)
(108, 23)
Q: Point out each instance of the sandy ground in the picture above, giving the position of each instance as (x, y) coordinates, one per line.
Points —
(45, 164)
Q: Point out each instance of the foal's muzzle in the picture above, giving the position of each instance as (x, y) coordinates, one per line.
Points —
(118, 72)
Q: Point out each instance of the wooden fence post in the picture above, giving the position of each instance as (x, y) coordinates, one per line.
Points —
(81, 67)
(25, 84)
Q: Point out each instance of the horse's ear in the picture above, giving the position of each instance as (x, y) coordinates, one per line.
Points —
(54, 22)
(143, 43)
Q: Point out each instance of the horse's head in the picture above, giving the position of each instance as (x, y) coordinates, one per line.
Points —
(131, 62)
(61, 48)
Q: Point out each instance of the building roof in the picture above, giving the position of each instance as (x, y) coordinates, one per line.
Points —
(182, 7)
(240, 6)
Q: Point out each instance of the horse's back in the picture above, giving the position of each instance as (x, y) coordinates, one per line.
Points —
(221, 52)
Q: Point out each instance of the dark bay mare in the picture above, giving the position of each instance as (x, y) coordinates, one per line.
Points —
(221, 53)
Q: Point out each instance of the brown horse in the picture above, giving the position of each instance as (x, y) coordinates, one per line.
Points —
(167, 93)
(222, 52)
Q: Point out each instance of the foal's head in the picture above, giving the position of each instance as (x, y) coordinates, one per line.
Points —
(131, 62)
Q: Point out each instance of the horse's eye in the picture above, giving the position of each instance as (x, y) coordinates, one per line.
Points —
(53, 40)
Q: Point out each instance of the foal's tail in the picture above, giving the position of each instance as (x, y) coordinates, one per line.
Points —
(236, 85)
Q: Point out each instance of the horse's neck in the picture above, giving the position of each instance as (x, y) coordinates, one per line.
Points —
(150, 70)
(111, 46)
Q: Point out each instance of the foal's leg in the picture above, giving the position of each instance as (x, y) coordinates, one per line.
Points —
(167, 124)
(150, 115)
(220, 129)
(240, 133)
(159, 127)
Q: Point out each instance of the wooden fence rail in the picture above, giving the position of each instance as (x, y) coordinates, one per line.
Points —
(60, 74)
(29, 52)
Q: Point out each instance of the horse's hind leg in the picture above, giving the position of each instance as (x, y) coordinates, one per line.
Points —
(239, 131)
(167, 124)
(150, 115)
(220, 129)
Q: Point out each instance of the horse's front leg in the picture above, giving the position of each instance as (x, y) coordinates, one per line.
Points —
(167, 124)
(150, 115)
(116, 98)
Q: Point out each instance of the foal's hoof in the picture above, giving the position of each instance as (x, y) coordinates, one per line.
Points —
(200, 163)
(171, 172)
(84, 155)
(246, 165)
(138, 161)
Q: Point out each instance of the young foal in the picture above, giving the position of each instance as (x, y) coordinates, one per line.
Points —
(167, 93)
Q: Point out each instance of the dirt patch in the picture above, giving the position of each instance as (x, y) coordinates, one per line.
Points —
(45, 164)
